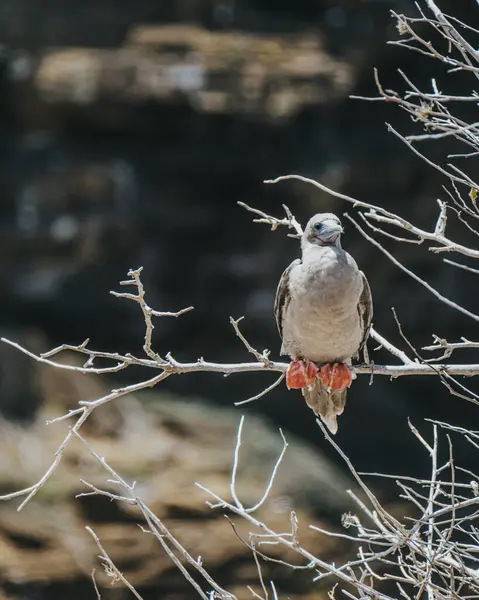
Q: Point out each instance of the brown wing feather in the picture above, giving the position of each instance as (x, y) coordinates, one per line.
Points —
(283, 296)
(365, 310)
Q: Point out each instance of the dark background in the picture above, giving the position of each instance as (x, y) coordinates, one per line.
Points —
(124, 143)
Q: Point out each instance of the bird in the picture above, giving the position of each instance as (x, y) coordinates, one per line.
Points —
(324, 310)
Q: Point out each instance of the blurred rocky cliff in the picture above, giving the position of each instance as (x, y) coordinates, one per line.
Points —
(128, 133)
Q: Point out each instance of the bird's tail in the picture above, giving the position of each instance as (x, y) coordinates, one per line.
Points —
(327, 404)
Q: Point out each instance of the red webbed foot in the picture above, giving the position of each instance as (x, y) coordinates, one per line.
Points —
(300, 374)
(335, 376)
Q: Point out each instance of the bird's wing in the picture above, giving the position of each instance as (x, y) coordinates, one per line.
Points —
(365, 310)
(283, 296)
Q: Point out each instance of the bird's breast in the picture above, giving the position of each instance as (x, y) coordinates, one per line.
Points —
(330, 282)
(323, 321)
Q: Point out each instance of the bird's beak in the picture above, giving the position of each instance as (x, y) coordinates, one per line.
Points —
(331, 231)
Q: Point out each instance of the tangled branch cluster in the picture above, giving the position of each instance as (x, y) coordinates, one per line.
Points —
(434, 551)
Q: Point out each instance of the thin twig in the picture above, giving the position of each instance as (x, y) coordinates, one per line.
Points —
(109, 566)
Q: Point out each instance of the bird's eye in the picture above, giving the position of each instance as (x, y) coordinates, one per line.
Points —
(318, 226)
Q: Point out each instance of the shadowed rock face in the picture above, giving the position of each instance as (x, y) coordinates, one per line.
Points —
(127, 138)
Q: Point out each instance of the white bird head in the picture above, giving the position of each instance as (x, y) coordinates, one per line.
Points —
(323, 229)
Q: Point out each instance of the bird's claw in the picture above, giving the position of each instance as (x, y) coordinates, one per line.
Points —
(300, 374)
(335, 376)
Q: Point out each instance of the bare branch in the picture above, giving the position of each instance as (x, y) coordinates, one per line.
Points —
(109, 566)
(382, 215)
(262, 393)
(97, 591)
(412, 274)
(148, 312)
(158, 529)
(289, 221)
(173, 367)
(260, 356)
